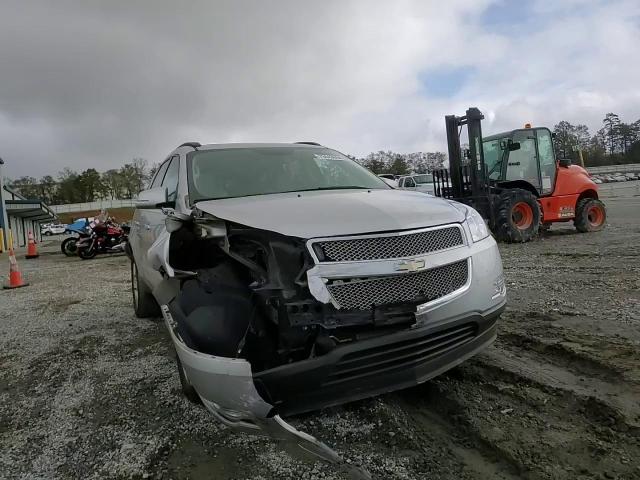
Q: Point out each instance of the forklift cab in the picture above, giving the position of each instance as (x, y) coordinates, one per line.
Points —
(523, 155)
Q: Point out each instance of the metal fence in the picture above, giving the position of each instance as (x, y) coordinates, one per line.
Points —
(88, 206)
(628, 168)
(620, 189)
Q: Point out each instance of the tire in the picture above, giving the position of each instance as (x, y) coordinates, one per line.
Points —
(144, 304)
(187, 388)
(87, 253)
(518, 216)
(48, 233)
(591, 215)
(69, 247)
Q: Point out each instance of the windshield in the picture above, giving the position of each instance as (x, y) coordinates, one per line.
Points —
(240, 172)
(420, 179)
(493, 155)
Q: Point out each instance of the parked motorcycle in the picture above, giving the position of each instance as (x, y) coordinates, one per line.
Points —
(103, 237)
(79, 229)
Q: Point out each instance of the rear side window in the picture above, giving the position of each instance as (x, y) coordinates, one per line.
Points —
(171, 179)
(157, 180)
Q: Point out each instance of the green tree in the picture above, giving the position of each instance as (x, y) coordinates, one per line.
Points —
(398, 166)
(567, 138)
(88, 184)
(68, 186)
(611, 123)
(134, 177)
(48, 190)
(26, 186)
(113, 183)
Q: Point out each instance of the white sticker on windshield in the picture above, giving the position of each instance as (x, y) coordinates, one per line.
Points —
(327, 156)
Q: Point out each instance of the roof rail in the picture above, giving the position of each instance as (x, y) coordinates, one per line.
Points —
(193, 145)
(308, 143)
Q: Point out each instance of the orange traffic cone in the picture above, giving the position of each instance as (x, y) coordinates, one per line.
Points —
(32, 251)
(15, 277)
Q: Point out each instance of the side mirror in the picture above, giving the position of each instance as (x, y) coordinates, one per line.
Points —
(153, 198)
(513, 146)
(564, 162)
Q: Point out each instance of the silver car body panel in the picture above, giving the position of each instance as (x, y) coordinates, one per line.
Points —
(335, 212)
(226, 388)
(225, 383)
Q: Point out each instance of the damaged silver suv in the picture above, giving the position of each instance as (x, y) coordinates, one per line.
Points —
(291, 278)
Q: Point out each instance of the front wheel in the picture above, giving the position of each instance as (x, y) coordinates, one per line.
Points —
(591, 215)
(69, 247)
(144, 304)
(518, 216)
(87, 253)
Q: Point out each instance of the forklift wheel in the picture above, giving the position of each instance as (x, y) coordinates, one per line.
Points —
(518, 216)
(591, 215)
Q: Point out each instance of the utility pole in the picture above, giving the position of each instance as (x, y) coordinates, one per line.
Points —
(577, 148)
(3, 211)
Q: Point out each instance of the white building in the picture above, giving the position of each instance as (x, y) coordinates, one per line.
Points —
(20, 215)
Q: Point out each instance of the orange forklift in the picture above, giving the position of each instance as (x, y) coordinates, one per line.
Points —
(515, 181)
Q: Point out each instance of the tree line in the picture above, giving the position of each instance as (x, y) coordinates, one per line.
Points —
(89, 185)
(615, 143)
(402, 163)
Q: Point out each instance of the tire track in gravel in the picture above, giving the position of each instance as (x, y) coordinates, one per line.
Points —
(442, 424)
(608, 403)
(528, 429)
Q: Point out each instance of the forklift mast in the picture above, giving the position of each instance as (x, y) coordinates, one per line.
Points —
(465, 182)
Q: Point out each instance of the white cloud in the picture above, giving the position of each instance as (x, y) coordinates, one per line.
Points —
(98, 85)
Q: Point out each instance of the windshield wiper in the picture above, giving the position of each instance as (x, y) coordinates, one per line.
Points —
(340, 187)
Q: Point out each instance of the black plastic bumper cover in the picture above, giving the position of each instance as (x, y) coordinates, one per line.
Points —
(379, 365)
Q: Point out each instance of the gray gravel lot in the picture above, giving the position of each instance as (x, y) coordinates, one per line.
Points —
(89, 391)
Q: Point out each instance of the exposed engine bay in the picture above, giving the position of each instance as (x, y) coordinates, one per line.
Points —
(248, 297)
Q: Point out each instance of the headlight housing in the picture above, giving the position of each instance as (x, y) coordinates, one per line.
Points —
(477, 225)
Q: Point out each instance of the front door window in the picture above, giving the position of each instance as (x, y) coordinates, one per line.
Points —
(523, 163)
(547, 160)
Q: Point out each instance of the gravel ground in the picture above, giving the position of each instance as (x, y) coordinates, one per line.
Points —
(89, 391)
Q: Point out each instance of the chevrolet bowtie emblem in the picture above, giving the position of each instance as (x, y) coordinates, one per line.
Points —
(410, 265)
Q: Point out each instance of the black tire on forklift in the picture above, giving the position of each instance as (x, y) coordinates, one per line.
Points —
(518, 216)
(187, 388)
(591, 215)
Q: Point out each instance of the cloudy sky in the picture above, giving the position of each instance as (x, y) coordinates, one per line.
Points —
(94, 84)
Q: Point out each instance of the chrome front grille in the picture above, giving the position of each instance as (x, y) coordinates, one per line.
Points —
(420, 287)
(397, 245)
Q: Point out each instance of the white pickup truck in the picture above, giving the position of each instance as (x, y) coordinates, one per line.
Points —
(417, 183)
